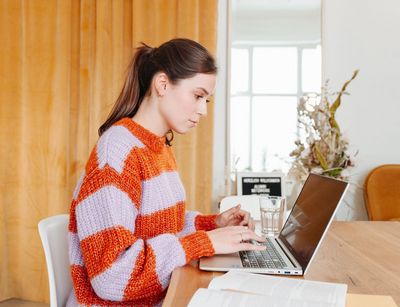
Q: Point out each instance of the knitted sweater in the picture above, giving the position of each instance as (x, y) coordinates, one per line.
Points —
(128, 226)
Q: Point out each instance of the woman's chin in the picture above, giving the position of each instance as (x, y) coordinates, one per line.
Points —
(182, 130)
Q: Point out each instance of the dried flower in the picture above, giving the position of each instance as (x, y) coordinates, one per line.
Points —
(324, 149)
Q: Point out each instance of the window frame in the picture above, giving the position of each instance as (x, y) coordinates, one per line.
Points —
(250, 94)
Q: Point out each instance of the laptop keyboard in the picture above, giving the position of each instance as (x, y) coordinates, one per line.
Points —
(268, 258)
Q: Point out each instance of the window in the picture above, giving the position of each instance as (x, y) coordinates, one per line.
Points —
(267, 82)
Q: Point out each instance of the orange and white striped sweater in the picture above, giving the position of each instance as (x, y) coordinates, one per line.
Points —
(128, 225)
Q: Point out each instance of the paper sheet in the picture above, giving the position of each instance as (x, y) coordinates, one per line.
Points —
(281, 289)
(219, 298)
(215, 298)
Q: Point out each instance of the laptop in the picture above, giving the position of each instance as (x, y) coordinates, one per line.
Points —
(292, 251)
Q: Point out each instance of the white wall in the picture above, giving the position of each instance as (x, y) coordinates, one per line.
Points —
(364, 34)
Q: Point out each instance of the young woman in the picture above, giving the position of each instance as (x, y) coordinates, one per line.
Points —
(128, 225)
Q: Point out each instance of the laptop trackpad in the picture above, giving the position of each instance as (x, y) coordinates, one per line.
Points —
(221, 262)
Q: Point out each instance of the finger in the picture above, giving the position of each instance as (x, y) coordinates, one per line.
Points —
(244, 223)
(245, 218)
(251, 224)
(236, 219)
(252, 247)
(237, 229)
(234, 216)
(251, 235)
(247, 235)
(243, 212)
(232, 210)
(229, 215)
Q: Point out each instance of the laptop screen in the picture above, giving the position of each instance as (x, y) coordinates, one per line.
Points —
(310, 216)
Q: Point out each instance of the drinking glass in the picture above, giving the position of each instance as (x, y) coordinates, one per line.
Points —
(272, 212)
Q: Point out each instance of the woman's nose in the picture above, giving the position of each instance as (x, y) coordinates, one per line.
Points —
(202, 110)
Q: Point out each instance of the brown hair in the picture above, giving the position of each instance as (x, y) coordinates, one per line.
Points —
(178, 58)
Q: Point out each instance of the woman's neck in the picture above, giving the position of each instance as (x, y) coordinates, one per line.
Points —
(150, 118)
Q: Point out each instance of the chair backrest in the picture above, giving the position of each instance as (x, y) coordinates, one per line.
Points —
(382, 193)
(248, 202)
(54, 235)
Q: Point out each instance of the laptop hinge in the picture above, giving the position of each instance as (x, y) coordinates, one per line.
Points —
(288, 254)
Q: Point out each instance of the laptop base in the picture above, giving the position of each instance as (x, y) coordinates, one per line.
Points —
(224, 263)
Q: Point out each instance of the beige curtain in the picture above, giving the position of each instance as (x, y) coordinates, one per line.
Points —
(62, 64)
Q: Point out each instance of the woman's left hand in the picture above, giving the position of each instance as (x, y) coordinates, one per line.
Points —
(235, 217)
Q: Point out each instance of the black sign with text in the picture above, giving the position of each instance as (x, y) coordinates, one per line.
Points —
(262, 185)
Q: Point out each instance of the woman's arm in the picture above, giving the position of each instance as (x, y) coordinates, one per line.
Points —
(194, 221)
(231, 217)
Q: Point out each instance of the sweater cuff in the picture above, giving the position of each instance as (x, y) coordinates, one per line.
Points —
(205, 222)
(197, 245)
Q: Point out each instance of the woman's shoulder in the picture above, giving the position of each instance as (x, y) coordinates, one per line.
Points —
(119, 136)
(115, 146)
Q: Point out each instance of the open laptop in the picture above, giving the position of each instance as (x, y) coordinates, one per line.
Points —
(292, 251)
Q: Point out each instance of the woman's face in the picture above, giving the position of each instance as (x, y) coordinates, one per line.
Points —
(185, 103)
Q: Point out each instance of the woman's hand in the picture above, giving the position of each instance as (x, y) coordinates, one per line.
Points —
(232, 239)
(234, 217)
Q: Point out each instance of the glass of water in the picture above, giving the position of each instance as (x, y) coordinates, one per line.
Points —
(272, 212)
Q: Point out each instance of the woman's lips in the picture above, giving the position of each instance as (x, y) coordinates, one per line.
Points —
(193, 122)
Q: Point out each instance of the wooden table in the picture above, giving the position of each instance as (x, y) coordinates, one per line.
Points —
(363, 255)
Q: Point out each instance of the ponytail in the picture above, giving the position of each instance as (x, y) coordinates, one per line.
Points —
(132, 93)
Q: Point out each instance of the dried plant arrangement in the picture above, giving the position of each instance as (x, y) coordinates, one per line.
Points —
(321, 148)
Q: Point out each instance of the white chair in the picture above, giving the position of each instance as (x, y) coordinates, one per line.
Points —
(247, 202)
(54, 235)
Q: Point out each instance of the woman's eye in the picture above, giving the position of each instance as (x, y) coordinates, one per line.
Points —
(201, 97)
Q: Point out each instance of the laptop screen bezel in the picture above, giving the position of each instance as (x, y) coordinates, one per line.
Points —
(287, 245)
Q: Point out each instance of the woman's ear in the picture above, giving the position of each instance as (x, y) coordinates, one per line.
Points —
(161, 82)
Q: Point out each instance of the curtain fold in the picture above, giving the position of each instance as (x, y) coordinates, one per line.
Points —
(62, 66)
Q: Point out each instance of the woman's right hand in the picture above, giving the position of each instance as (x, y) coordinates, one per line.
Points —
(231, 239)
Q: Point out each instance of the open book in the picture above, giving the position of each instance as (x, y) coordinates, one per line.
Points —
(246, 289)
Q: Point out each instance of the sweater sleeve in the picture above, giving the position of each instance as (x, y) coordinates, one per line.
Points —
(194, 221)
(121, 266)
(206, 222)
